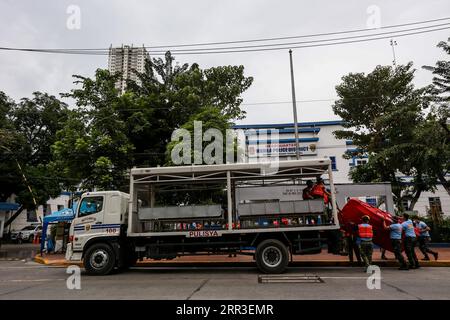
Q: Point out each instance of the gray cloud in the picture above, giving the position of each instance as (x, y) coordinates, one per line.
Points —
(42, 24)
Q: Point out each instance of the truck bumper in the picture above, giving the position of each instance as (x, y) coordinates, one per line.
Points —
(71, 255)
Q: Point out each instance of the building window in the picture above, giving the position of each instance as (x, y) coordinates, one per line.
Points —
(360, 162)
(31, 216)
(47, 210)
(60, 207)
(405, 204)
(435, 204)
(371, 201)
(333, 163)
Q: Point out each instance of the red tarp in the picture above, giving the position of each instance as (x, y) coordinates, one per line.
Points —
(355, 209)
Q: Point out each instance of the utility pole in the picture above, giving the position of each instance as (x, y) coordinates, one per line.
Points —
(393, 44)
(294, 106)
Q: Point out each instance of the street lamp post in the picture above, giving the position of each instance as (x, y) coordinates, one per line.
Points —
(294, 106)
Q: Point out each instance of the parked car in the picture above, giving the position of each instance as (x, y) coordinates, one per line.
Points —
(26, 234)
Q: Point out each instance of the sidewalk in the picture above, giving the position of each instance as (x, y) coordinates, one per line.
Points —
(323, 259)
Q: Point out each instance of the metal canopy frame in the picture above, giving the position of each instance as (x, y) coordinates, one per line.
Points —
(229, 174)
(264, 170)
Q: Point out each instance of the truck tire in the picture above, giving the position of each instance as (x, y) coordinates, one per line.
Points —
(272, 256)
(99, 259)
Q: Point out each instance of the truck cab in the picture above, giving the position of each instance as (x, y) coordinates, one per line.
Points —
(100, 218)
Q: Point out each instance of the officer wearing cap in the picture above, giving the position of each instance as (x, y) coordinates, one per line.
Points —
(365, 235)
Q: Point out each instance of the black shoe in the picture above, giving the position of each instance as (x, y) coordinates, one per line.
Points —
(403, 268)
(412, 267)
(417, 267)
(436, 255)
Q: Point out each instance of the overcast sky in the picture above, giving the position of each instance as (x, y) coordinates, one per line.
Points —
(43, 24)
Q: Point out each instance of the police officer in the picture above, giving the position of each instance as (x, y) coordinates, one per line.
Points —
(396, 239)
(353, 248)
(320, 191)
(307, 195)
(424, 239)
(365, 235)
(410, 242)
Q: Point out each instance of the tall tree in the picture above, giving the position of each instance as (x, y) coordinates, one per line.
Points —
(92, 149)
(29, 128)
(211, 142)
(9, 140)
(436, 135)
(380, 111)
(110, 132)
(168, 94)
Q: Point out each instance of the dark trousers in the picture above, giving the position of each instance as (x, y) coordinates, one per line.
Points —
(397, 246)
(423, 246)
(366, 249)
(410, 244)
(353, 249)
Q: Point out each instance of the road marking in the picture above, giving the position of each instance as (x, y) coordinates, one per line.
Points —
(343, 277)
(291, 278)
(31, 280)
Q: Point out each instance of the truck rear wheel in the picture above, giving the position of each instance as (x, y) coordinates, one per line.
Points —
(99, 259)
(272, 256)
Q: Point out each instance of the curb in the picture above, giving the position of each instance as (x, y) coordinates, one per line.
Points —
(315, 263)
(57, 263)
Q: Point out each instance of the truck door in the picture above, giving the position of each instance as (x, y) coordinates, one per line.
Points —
(89, 220)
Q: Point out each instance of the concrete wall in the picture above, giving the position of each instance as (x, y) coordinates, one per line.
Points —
(423, 204)
(329, 146)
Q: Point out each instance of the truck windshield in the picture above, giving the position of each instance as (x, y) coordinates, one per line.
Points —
(90, 205)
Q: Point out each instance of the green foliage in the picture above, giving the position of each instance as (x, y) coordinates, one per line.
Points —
(436, 134)
(381, 111)
(441, 72)
(110, 132)
(28, 130)
(210, 118)
(93, 148)
(440, 232)
(169, 95)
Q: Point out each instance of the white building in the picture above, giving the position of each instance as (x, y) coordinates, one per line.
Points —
(126, 59)
(26, 217)
(316, 139)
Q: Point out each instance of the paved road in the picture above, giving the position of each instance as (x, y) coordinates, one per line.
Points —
(29, 280)
(24, 251)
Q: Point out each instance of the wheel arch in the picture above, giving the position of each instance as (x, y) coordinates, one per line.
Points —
(113, 242)
(280, 236)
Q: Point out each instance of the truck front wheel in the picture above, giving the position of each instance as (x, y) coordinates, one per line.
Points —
(99, 259)
(272, 256)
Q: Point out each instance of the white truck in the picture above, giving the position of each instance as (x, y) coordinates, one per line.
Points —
(244, 208)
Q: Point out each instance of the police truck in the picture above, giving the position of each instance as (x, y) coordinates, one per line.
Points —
(252, 209)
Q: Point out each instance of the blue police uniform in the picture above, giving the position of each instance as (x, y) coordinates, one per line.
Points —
(422, 226)
(408, 227)
(396, 231)
(410, 243)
